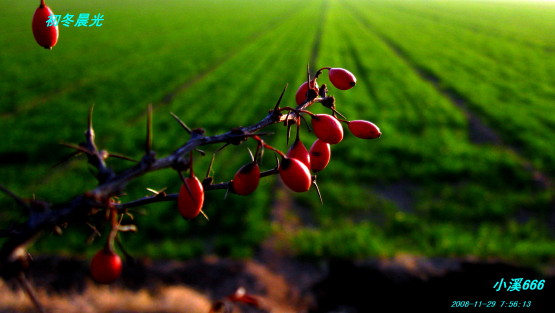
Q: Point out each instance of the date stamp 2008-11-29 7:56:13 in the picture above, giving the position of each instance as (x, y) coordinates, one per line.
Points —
(512, 286)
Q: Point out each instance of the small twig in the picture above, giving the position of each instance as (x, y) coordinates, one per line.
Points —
(161, 197)
(30, 291)
(17, 199)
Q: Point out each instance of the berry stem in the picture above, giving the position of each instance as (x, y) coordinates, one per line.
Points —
(320, 71)
(297, 137)
(265, 145)
(297, 111)
(113, 217)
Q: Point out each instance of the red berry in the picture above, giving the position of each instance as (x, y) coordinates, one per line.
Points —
(190, 198)
(302, 93)
(298, 151)
(105, 266)
(246, 179)
(295, 175)
(364, 129)
(320, 154)
(327, 128)
(46, 36)
(342, 79)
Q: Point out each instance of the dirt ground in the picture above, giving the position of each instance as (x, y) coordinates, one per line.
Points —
(278, 284)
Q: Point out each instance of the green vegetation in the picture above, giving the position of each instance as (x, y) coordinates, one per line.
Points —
(424, 188)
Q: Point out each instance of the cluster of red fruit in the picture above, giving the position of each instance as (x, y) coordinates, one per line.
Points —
(294, 168)
(46, 36)
(296, 165)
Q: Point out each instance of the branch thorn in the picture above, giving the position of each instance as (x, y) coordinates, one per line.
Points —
(276, 107)
(148, 143)
(187, 129)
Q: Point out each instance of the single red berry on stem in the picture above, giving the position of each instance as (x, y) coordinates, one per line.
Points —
(246, 179)
(105, 266)
(295, 175)
(341, 78)
(303, 94)
(320, 154)
(298, 151)
(46, 36)
(364, 129)
(190, 198)
(327, 128)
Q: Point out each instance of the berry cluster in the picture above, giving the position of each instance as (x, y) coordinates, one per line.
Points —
(297, 168)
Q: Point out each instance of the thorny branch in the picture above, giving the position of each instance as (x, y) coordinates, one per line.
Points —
(45, 216)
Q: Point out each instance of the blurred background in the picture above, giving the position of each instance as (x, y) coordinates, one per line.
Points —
(463, 92)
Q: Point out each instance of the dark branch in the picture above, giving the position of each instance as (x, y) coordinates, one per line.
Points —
(111, 184)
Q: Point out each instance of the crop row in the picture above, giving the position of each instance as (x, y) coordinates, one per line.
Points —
(425, 156)
(509, 84)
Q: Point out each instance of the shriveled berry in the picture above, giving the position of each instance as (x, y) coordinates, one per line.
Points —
(46, 36)
(341, 78)
(105, 266)
(303, 91)
(246, 179)
(327, 128)
(364, 129)
(190, 198)
(295, 175)
(298, 151)
(320, 154)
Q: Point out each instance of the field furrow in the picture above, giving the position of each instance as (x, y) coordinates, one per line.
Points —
(491, 90)
(478, 131)
(426, 166)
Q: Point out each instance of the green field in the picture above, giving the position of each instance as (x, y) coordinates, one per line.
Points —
(463, 91)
